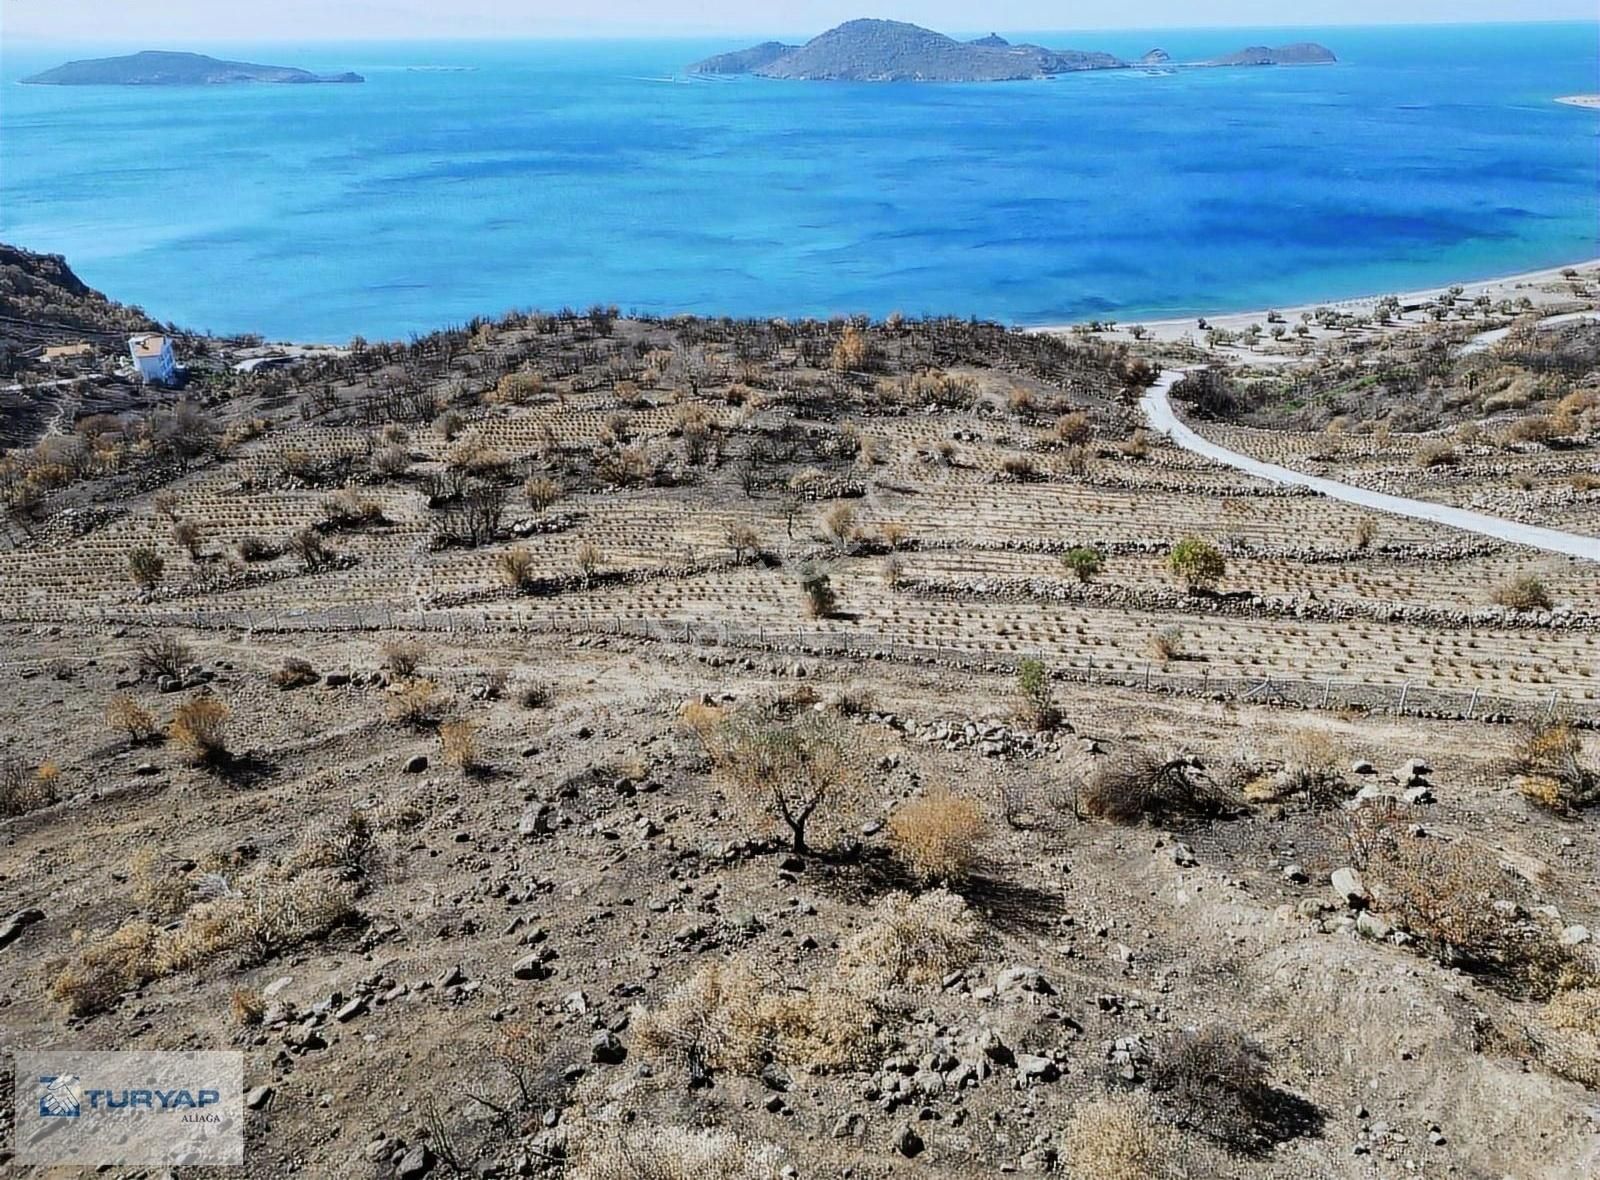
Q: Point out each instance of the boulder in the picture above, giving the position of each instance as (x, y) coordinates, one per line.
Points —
(1349, 887)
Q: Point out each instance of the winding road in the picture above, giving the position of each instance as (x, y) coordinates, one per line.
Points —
(1157, 406)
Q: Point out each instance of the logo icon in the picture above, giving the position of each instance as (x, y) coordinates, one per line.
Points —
(62, 1097)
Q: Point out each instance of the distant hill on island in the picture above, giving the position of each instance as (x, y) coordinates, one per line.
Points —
(1303, 53)
(155, 68)
(893, 51)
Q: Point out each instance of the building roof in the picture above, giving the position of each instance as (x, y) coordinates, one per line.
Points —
(149, 345)
(63, 351)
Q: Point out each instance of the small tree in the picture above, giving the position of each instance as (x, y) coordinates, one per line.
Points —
(1083, 562)
(186, 534)
(743, 541)
(1199, 563)
(791, 771)
(307, 544)
(817, 588)
(145, 566)
(1366, 532)
(164, 655)
(1038, 706)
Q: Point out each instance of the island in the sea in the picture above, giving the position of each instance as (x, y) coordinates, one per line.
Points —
(893, 51)
(157, 68)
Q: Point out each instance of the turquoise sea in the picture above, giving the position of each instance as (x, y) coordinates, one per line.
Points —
(568, 173)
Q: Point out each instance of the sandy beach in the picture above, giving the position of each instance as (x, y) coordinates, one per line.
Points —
(1548, 288)
(1591, 101)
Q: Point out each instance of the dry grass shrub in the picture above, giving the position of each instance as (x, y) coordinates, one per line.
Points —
(911, 940)
(516, 567)
(727, 1017)
(1566, 1036)
(838, 523)
(131, 719)
(542, 492)
(458, 742)
(1463, 907)
(1138, 783)
(1547, 758)
(293, 673)
(1214, 1080)
(157, 886)
(23, 790)
(1522, 592)
(1118, 1138)
(266, 917)
(401, 657)
(200, 728)
(1166, 644)
(247, 1006)
(350, 848)
(939, 837)
(1313, 768)
(670, 1153)
(415, 703)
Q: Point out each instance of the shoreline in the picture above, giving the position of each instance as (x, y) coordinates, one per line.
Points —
(1501, 286)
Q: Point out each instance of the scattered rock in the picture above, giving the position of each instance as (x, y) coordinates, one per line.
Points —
(907, 1142)
(256, 1098)
(1349, 887)
(416, 764)
(606, 1049)
(11, 929)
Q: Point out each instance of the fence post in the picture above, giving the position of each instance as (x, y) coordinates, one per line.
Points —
(1550, 709)
(1147, 674)
(1205, 680)
(1327, 691)
(1405, 689)
(1472, 705)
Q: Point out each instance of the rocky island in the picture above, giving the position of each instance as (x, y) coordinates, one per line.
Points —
(1303, 53)
(893, 51)
(155, 68)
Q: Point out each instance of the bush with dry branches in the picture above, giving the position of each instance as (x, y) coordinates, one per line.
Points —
(200, 728)
(1138, 783)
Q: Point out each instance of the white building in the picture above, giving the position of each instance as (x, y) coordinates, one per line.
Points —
(152, 356)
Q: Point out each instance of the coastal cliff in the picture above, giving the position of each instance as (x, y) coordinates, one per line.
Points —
(155, 68)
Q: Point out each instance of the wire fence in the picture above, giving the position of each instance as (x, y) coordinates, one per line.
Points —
(1182, 678)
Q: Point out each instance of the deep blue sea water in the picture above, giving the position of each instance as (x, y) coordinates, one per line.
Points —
(568, 173)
